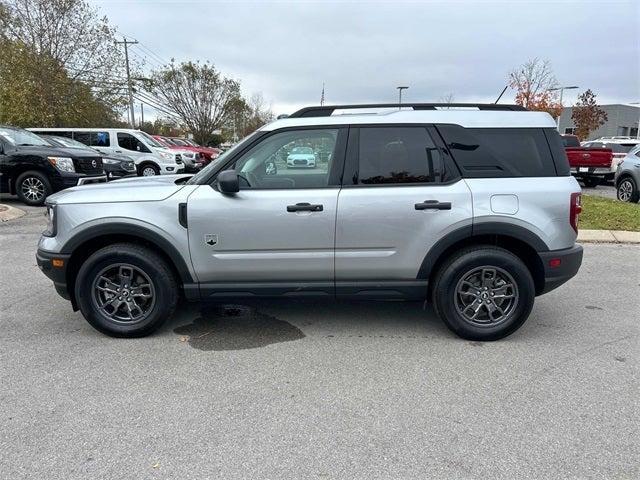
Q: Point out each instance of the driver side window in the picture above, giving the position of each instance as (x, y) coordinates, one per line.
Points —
(289, 160)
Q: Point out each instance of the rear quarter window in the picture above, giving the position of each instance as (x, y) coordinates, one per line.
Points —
(503, 152)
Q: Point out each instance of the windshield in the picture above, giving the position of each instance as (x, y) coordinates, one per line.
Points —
(302, 150)
(215, 165)
(182, 143)
(18, 137)
(570, 141)
(67, 142)
(150, 140)
(620, 147)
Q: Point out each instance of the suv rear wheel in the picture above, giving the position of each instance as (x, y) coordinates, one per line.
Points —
(33, 188)
(483, 293)
(125, 290)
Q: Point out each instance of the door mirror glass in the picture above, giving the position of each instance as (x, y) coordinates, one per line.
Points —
(228, 182)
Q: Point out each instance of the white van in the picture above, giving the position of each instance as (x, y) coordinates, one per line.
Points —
(150, 157)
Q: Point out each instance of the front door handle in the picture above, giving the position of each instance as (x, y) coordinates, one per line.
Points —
(304, 207)
(433, 205)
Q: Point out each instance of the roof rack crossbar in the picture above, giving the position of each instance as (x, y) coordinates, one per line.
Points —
(326, 111)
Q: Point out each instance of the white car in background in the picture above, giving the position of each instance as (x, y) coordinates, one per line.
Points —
(620, 146)
(302, 157)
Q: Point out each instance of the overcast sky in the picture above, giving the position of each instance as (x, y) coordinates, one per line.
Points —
(363, 50)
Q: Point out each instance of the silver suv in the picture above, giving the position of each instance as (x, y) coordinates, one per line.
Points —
(469, 206)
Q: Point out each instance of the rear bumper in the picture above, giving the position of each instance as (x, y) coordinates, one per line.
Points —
(568, 263)
(57, 274)
(591, 171)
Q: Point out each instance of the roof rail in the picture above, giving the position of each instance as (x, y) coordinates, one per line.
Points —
(326, 111)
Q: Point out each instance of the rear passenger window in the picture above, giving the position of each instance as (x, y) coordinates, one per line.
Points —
(93, 139)
(499, 152)
(398, 155)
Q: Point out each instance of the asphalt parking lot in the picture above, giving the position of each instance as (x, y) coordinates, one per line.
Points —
(320, 390)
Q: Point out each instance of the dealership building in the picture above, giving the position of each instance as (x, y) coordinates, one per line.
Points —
(622, 120)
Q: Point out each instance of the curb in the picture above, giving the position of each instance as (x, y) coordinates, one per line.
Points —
(608, 236)
(8, 212)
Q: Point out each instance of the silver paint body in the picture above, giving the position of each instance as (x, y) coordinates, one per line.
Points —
(362, 233)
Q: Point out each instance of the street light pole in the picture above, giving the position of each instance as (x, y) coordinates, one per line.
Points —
(400, 96)
(562, 89)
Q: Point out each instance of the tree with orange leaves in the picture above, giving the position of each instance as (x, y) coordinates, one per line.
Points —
(533, 82)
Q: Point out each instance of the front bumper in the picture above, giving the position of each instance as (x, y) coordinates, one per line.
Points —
(69, 180)
(560, 266)
(58, 274)
(171, 169)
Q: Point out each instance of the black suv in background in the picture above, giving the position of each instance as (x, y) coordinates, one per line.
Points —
(33, 169)
(115, 165)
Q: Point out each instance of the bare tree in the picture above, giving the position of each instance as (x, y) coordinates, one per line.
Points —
(448, 98)
(198, 94)
(533, 82)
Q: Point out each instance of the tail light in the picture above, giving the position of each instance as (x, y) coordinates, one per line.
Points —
(575, 208)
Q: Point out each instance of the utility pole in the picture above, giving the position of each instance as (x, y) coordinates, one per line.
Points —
(126, 43)
(400, 96)
(141, 115)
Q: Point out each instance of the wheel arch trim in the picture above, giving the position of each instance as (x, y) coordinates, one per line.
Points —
(133, 230)
(468, 232)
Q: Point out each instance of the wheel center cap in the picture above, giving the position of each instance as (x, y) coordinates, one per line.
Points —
(125, 292)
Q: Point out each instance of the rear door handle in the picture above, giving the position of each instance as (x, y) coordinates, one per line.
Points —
(433, 205)
(304, 207)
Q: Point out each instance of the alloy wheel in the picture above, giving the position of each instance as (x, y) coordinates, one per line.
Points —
(625, 190)
(124, 293)
(486, 296)
(33, 189)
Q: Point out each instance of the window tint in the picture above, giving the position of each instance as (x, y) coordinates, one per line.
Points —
(93, 139)
(397, 155)
(274, 163)
(500, 152)
(129, 142)
(570, 141)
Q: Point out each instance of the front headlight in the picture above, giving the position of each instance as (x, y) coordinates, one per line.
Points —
(167, 155)
(51, 221)
(110, 161)
(64, 164)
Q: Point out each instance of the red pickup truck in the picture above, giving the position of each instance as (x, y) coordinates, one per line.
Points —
(591, 166)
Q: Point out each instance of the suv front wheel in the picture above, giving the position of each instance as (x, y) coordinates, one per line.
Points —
(125, 290)
(483, 293)
(33, 188)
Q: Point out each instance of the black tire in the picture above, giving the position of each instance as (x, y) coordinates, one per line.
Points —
(33, 188)
(591, 182)
(448, 302)
(627, 190)
(146, 168)
(159, 276)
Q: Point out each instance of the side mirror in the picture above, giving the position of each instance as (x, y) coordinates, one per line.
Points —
(228, 182)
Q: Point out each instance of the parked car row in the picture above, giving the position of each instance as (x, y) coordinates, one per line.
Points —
(598, 161)
(37, 162)
(33, 168)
